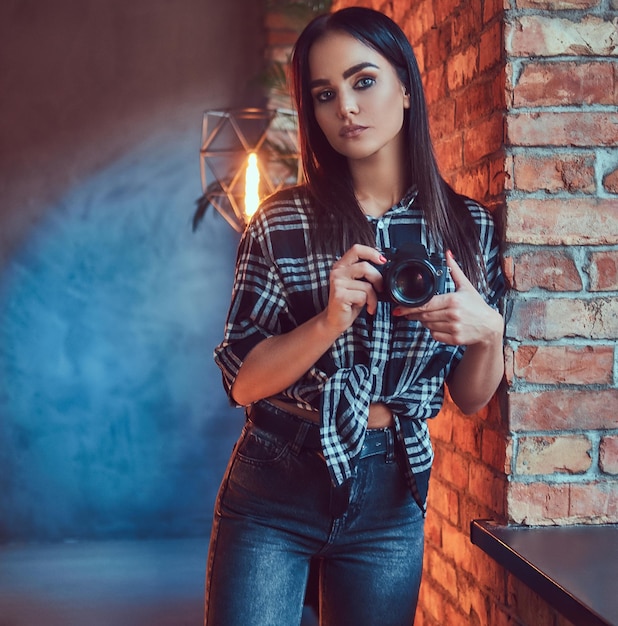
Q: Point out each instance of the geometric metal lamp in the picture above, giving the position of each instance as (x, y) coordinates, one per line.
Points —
(245, 155)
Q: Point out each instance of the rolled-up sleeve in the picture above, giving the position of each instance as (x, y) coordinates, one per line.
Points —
(257, 305)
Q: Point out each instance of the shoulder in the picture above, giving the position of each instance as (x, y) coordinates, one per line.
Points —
(479, 213)
(482, 220)
(283, 221)
(285, 202)
(287, 209)
(481, 216)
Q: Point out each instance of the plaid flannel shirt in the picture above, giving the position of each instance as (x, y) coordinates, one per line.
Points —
(281, 281)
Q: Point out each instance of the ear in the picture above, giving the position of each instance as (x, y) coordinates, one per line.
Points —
(406, 98)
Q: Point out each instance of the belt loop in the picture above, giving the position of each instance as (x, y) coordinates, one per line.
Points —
(390, 446)
(299, 439)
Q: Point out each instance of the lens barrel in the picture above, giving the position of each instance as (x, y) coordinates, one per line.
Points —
(412, 276)
(412, 282)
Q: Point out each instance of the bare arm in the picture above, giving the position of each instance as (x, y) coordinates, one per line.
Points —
(279, 361)
(480, 371)
(464, 318)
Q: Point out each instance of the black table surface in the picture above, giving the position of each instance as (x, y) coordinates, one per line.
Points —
(574, 568)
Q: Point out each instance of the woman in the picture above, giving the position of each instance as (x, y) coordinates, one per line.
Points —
(337, 377)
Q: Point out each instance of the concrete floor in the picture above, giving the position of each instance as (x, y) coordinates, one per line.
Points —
(105, 583)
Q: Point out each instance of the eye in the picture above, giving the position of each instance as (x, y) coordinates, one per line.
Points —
(324, 96)
(365, 82)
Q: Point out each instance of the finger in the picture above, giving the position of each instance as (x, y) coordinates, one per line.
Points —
(370, 297)
(359, 252)
(361, 272)
(459, 278)
(372, 302)
(437, 304)
(350, 292)
(440, 331)
(443, 337)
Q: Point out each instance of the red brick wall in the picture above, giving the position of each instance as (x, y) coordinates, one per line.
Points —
(562, 234)
(522, 100)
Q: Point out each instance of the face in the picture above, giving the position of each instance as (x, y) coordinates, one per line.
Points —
(358, 98)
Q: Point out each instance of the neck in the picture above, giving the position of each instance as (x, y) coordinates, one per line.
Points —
(378, 184)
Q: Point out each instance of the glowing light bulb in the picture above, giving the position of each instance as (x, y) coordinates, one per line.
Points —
(252, 185)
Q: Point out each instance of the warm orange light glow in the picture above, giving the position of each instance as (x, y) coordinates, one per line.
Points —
(252, 185)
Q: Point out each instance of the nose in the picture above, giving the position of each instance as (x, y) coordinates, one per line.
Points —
(347, 105)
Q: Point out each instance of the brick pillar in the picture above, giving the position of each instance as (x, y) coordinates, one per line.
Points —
(523, 102)
(562, 234)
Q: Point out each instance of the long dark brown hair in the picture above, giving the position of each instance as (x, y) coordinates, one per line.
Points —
(339, 220)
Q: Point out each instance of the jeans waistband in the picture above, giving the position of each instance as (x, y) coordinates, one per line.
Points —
(306, 434)
(278, 422)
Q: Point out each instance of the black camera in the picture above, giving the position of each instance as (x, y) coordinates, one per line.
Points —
(411, 276)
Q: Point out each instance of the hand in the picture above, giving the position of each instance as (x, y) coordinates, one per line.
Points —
(354, 280)
(459, 318)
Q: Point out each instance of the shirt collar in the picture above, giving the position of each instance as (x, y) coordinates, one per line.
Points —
(403, 205)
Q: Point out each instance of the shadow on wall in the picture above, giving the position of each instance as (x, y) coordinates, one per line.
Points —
(114, 422)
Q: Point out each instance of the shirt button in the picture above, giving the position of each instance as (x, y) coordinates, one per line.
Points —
(375, 371)
(380, 224)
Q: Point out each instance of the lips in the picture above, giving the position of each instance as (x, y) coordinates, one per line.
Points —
(353, 130)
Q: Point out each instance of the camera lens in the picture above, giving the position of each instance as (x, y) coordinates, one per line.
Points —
(412, 283)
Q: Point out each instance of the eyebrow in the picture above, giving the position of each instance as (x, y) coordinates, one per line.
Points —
(321, 82)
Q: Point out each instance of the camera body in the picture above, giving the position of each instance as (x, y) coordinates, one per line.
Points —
(411, 276)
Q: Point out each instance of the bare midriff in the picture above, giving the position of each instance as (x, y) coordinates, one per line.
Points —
(380, 416)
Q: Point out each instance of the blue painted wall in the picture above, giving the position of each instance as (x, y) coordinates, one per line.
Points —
(113, 421)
